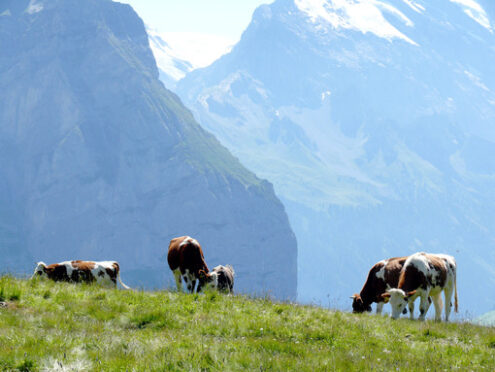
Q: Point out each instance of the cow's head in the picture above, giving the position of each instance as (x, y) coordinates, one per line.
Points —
(40, 270)
(358, 305)
(210, 280)
(398, 300)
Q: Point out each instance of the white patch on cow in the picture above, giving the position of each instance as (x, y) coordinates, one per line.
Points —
(214, 278)
(419, 261)
(188, 239)
(190, 280)
(380, 274)
(40, 268)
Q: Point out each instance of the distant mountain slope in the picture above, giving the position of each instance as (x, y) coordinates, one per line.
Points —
(375, 122)
(487, 319)
(99, 161)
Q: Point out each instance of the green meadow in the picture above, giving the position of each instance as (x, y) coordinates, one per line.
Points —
(67, 327)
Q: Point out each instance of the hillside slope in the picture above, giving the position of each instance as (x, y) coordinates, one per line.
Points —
(99, 161)
(48, 325)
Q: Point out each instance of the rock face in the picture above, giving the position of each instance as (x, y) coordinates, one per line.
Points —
(99, 161)
(375, 123)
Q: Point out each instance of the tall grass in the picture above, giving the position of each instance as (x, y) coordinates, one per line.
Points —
(82, 327)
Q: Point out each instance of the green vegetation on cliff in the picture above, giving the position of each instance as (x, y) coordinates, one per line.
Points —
(81, 327)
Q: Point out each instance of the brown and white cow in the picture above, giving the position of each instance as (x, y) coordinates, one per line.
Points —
(382, 276)
(101, 272)
(220, 278)
(185, 259)
(425, 275)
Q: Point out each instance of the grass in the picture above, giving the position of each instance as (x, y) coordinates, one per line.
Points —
(81, 327)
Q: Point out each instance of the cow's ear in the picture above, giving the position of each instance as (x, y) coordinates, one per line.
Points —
(385, 296)
(409, 294)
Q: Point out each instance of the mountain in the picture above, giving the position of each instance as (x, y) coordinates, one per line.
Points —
(100, 161)
(178, 53)
(487, 319)
(374, 121)
(171, 67)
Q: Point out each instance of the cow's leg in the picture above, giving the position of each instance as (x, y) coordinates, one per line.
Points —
(379, 307)
(178, 279)
(190, 281)
(410, 305)
(437, 302)
(448, 301)
(423, 306)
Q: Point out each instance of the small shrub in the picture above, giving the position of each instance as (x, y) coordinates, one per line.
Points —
(27, 365)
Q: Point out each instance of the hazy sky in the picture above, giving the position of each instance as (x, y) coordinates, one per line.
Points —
(199, 31)
(227, 18)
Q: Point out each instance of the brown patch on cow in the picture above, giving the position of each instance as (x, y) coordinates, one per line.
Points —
(411, 278)
(83, 265)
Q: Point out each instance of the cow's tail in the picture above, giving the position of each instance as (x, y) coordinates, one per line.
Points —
(120, 281)
(456, 301)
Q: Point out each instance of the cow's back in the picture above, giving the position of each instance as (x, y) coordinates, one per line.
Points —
(185, 253)
(393, 269)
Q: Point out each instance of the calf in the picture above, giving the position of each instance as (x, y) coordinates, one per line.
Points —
(382, 276)
(103, 272)
(425, 275)
(185, 259)
(220, 278)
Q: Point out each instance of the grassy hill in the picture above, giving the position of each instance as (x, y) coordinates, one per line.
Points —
(82, 327)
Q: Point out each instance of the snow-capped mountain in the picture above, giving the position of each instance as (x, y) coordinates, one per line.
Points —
(99, 161)
(178, 53)
(172, 68)
(375, 120)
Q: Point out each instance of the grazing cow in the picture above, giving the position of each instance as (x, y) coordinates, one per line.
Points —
(220, 278)
(425, 275)
(185, 259)
(103, 272)
(382, 276)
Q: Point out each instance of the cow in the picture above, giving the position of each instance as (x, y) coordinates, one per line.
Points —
(220, 278)
(425, 275)
(382, 276)
(185, 259)
(101, 272)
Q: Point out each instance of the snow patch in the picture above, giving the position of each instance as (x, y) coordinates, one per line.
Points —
(325, 94)
(361, 15)
(178, 53)
(476, 12)
(34, 7)
(476, 80)
(415, 6)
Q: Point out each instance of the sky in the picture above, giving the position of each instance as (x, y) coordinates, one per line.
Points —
(199, 31)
